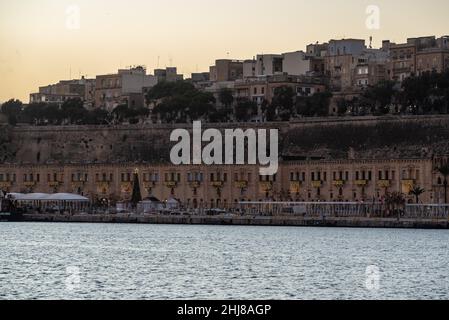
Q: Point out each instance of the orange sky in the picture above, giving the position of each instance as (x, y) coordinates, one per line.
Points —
(40, 42)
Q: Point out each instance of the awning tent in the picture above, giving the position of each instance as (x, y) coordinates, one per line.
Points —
(150, 204)
(172, 204)
(60, 201)
(65, 197)
(30, 196)
(48, 197)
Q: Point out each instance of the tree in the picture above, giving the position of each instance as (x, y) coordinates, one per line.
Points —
(283, 102)
(12, 106)
(417, 192)
(380, 96)
(73, 111)
(34, 113)
(444, 171)
(52, 113)
(226, 97)
(97, 117)
(316, 105)
(201, 105)
(12, 109)
(121, 112)
(180, 101)
(136, 196)
(245, 109)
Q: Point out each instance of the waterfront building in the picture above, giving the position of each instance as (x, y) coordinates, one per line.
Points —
(224, 186)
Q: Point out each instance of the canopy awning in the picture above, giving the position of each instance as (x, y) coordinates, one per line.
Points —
(48, 197)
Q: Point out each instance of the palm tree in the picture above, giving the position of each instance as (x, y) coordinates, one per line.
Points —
(444, 171)
(417, 191)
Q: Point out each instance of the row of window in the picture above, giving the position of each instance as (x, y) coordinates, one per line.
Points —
(406, 174)
(358, 175)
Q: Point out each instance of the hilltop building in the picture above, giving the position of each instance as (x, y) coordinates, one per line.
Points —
(127, 86)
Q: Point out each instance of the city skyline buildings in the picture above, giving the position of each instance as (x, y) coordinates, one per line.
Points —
(43, 42)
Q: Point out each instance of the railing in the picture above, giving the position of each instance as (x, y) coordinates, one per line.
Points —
(427, 211)
(346, 210)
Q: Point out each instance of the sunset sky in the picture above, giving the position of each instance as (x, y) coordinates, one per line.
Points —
(39, 44)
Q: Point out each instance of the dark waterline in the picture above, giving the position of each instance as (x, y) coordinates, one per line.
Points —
(122, 261)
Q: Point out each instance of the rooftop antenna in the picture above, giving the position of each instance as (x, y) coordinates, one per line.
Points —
(371, 42)
(170, 60)
(158, 59)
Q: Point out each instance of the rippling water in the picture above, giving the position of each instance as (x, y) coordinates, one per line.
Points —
(117, 261)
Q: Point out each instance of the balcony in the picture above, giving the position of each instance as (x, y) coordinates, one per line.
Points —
(126, 187)
(149, 184)
(29, 184)
(54, 184)
(171, 184)
(241, 184)
(317, 184)
(361, 183)
(5, 184)
(266, 186)
(383, 183)
(407, 185)
(339, 183)
(195, 184)
(217, 184)
(295, 187)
